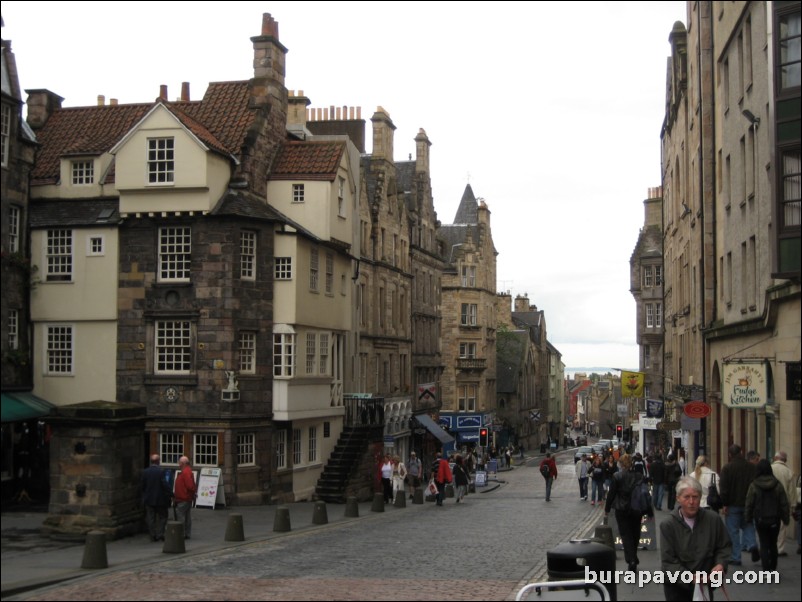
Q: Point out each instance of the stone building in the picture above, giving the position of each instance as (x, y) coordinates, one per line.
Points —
(469, 320)
(731, 226)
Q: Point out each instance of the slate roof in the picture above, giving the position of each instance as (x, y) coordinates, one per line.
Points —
(73, 212)
(308, 160)
(221, 121)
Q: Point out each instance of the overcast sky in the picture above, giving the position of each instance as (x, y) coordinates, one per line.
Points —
(551, 111)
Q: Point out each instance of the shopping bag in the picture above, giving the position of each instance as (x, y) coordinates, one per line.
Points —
(431, 489)
(699, 592)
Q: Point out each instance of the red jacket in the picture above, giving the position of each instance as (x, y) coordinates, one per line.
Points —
(552, 466)
(443, 472)
(185, 488)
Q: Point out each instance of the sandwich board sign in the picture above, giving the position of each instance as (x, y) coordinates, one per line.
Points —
(210, 488)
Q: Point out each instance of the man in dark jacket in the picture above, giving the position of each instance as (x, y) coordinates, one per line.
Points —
(734, 483)
(657, 470)
(692, 539)
(629, 522)
(156, 496)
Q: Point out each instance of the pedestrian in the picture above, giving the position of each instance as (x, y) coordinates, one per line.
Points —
(399, 476)
(767, 506)
(156, 495)
(753, 457)
(736, 476)
(441, 474)
(638, 465)
(596, 481)
(185, 491)
(550, 476)
(692, 539)
(414, 473)
(657, 470)
(461, 478)
(582, 470)
(610, 468)
(386, 471)
(628, 521)
(705, 475)
(785, 476)
(673, 473)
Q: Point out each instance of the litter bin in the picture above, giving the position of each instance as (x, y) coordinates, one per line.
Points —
(568, 561)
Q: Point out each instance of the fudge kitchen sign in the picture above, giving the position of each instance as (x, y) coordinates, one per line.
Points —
(744, 385)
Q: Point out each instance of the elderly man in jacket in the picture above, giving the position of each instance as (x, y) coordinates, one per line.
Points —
(786, 477)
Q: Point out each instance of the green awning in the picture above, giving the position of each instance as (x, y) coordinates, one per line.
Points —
(24, 406)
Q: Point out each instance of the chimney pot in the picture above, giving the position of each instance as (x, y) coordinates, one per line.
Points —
(113, 102)
(163, 92)
(269, 26)
(185, 91)
(101, 100)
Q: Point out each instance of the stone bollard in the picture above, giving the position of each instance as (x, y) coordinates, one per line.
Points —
(281, 522)
(604, 534)
(417, 497)
(95, 551)
(234, 528)
(351, 507)
(400, 499)
(320, 516)
(174, 538)
(378, 503)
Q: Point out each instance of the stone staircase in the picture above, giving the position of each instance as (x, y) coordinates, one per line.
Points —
(351, 467)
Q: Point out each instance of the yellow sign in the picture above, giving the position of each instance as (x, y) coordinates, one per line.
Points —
(632, 384)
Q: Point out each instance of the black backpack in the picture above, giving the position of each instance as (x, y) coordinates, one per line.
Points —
(545, 470)
(767, 508)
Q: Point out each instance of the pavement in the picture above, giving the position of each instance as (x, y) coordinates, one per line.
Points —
(31, 562)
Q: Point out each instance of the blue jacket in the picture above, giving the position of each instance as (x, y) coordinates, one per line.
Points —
(155, 491)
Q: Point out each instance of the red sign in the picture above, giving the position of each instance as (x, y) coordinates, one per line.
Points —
(696, 409)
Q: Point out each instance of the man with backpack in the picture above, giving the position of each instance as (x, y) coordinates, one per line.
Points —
(629, 497)
(767, 505)
(548, 468)
(734, 481)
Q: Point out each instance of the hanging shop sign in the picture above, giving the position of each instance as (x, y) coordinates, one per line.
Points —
(696, 409)
(744, 385)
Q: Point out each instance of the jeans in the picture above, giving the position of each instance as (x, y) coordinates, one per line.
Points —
(549, 482)
(583, 488)
(659, 492)
(596, 491)
(736, 525)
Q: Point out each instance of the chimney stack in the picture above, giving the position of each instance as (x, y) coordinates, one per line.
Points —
(101, 100)
(113, 102)
(163, 92)
(185, 92)
(41, 105)
(422, 144)
(383, 129)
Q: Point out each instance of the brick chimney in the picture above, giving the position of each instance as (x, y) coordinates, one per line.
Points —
(383, 129)
(41, 105)
(185, 92)
(163, 92)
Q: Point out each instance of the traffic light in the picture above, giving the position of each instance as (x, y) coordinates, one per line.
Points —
(483, 437)
(619, 432)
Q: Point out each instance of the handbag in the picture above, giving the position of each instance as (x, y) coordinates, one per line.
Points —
(713, 498)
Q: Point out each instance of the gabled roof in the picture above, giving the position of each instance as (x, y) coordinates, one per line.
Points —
(221, 121)
(308, 160)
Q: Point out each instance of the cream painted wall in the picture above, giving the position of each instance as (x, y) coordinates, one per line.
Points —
(201, 176)
(92, 294)
(302, 397)
(94, 368)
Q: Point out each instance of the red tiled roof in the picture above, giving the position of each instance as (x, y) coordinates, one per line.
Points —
(221, 121)
(308, 160)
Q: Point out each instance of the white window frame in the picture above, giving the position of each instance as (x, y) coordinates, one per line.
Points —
(247, 352)
(205, 449)
(246, 449)
(323, 354)
(280, 447)
(161, 161)
(247, 257)
(14, 221)
(467, 397)
(59, 247)
(649, 315)
(648, 275)
(82, 172)
(172, 353)
(467, 350)
(658, 275)
(95, 245)
(175, 254)
(283, 354)
(5, 134)
(468, 314)
(59, 350)
(282, 268)
(13, 329)
(341, 197)
(469, 276)
(297, 456)
(311, 447)
(658, 315)
(171, 447)
(329, 273)
(311, 352)
(314, 269)
(298, 193)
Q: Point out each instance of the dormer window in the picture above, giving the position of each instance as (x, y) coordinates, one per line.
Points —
(83, 173)
(161, 160)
